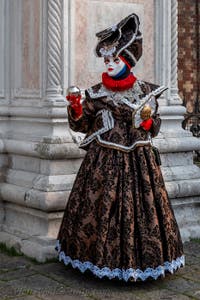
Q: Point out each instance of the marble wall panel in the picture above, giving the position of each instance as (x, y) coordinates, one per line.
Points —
(26, 35)
(90, 16)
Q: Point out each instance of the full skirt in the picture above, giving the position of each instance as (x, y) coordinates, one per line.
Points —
(118, 221)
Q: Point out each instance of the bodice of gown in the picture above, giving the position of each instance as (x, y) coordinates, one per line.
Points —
(108, 116)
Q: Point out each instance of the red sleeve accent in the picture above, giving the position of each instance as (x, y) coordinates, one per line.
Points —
(75, 103)
(147, 124)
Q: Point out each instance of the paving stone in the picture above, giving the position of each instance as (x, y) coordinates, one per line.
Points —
(195, 294)
(182, 285)
(114, 289)
(8, 263)
(86, 281)
(90, 286)
(15, 274)
(64, 297)
(37, 285)
(51, 269)
(162, 295)
(115, 296)
(120, 296)
(24, 298)
(192, 249)
(192, 260)
(193, 275)
(70, 277)
(185, 269)
(7, 291)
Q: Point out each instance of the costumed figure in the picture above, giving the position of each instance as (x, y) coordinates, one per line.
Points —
(118, 221)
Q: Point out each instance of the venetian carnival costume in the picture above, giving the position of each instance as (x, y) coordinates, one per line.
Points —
(118, 221)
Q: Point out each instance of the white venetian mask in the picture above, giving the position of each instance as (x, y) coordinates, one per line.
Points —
(114, 65)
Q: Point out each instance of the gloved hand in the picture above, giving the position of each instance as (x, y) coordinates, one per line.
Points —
(75, 104)
(146, 124)
(145, 115)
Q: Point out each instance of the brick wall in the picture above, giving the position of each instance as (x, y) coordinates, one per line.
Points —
(188, 68)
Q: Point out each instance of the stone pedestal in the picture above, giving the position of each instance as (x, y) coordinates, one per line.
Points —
(182, 177)
(38, 158)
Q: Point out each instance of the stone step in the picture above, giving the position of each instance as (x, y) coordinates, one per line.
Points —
(185, 172)
(31, 221)
(27, 245)
(177, 144)
(183, 188)
(187, 212)
(43, 166)
(44, 201)
(40, 182)
(177, 159)
(44, 149)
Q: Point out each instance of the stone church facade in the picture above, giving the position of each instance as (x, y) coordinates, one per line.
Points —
(45, 46)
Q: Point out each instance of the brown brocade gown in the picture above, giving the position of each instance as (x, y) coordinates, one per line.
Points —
(118, 221)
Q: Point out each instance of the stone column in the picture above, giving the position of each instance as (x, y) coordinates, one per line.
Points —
(54, 50)
(176, 145)
(175, 98)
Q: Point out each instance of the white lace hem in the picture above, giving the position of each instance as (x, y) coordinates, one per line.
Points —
(122, 274)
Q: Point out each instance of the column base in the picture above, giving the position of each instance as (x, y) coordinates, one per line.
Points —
(181, 175)
(40, 248)
(187, 211)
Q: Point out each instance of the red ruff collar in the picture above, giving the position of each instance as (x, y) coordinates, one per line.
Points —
(118, 85)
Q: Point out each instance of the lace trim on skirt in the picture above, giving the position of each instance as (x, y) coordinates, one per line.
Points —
(122, 274)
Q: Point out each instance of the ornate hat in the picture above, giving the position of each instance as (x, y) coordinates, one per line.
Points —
(122, 39)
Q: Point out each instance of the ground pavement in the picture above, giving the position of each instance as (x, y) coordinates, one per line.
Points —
(24, 279)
